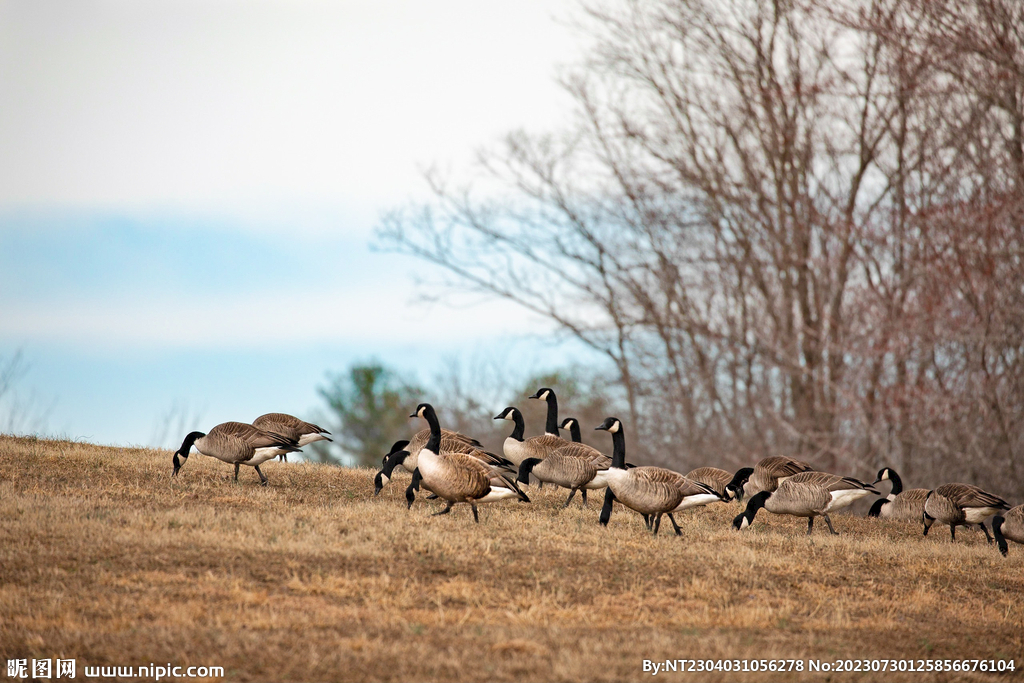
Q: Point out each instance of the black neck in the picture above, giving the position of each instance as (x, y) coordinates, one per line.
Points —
(434, 442)
(897, 483)
(574, 431)
(186, 445)
(619, 448)
(393, 461)
(997, 532)
(755, 504)
(606, 509)
(519, 430)
(525, 468)
(552, 425)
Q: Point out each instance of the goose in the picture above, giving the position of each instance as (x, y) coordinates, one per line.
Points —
(409, 460)
(961, 505)
(517, 449)
(843, 490)
(904, 506)
(799, 499)
(298, 431)
(651, 491)
(562, 469)
(729, 486)
(1009, 526)
(457, 477)
(406, 454)
(769, 472)
(236, 443)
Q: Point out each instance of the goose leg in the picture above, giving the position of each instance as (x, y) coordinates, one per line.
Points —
(448, 508)
(433, 496)
(830, 528)
(606, 509)
(810, 525)
(657, 524)
(649, 522)
(987, 537)
(952, 533)
(679, 532)
(476, 517)
(572, 492)
(236, 471)
(263, 479)
(583, 494)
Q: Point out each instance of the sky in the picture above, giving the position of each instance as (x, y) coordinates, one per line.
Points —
(189, 190)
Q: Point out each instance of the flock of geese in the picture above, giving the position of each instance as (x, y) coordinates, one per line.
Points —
(456, 469)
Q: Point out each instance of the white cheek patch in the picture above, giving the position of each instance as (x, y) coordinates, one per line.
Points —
(745, 523)
(614, 428)
(385, 478)
(544, 396)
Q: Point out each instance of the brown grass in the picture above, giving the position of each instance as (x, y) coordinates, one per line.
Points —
(106, 559)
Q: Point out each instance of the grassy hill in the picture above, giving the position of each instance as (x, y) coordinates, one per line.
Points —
(106, 559)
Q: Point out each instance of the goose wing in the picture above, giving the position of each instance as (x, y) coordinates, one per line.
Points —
(970, 496)
(711, 476)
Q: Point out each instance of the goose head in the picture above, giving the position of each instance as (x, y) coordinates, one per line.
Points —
(746, 518)
(507, 414)
(186, 446)
(734, 489)
(611, 424)
(544, 394)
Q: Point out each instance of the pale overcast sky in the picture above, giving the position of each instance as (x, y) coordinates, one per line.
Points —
(178, 178)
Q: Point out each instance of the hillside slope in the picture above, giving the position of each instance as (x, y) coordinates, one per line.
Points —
(106, 559)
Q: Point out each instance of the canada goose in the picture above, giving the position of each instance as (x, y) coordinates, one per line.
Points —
(298, 431)
(651, 491)
(1009, 526)
(769, 472)
(729, 486)
(406, 454)
(961, 505)
(799, 499)
(904, 506)
(561, 469)
(457, 477)
(517, 449)
(843, 490)
(236, 443)
(408, 458)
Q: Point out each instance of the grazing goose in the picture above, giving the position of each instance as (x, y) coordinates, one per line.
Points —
(799, 499)
(904, 506)
(729, 486)
(517, 449)
(298, 431)
(651, 491)
(961, 505)
(406, 454)
(771, 471)
(562, 469)
(1009, 526)
(457, 477)
(236, 443)
(844, 490)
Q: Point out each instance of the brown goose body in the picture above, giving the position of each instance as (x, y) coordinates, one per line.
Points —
(298, 431)
(236, 443)
(906, 506)
(291, 427)
(517, 448)
(844, 490)
(769, 472)
(797, 499)
(961, 505)
(714, 477)
(1009, 526)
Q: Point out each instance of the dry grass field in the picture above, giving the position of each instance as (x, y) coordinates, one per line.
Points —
(106, 559)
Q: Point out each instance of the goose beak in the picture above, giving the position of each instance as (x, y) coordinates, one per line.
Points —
(414, 415)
